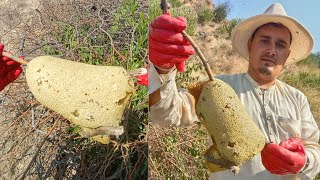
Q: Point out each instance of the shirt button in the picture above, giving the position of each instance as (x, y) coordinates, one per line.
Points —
(268, 117)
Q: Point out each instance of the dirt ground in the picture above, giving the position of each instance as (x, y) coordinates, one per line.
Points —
(15, 16)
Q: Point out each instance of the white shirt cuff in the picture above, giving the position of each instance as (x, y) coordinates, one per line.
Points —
(156, 80)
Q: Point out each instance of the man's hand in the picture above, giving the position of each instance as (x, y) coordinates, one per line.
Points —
(286, 158)
(9, 70)
(167, 46)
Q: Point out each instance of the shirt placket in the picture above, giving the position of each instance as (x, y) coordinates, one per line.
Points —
(268, 115)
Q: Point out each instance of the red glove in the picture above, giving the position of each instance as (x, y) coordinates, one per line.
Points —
(286, 158)
(9, 70)
(167, 46)
(143, 79)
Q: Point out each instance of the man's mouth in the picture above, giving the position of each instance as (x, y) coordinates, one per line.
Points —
(268, 59)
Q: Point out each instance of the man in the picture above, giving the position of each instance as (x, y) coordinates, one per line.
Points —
(9, 70)
(268, 41)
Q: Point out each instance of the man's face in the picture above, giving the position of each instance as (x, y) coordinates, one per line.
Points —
(268, 52)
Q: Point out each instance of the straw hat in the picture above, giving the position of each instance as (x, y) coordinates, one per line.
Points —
(302, 41)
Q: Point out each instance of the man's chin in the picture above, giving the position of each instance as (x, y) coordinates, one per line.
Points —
(265, 70)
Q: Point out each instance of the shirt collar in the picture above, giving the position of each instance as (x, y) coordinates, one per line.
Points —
(256, 84)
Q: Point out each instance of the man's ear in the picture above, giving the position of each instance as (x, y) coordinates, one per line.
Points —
(249, 45)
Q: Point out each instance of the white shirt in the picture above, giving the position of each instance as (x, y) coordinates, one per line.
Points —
(280, 111)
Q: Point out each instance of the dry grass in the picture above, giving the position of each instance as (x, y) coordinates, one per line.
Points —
(307, 79)
(177, 152)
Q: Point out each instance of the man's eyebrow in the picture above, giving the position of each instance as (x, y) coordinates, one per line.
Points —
(264, 36)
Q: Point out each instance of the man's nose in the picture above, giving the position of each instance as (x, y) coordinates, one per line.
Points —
(271, 50)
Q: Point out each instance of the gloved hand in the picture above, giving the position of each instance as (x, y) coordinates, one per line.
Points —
(286, 158)
(167, 46)
(143, 79)
(9, 70)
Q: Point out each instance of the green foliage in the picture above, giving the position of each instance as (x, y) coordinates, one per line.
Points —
(185, 78)
(307, 79)
(311, 60)
(154, 9)
(186, 12)
(75, 129)
(93, 45)
(226, 28)
(190, 15)
(221, 12)
(175, 3)
(205, 14)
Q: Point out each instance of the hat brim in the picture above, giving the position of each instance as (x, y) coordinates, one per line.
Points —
(302, 41)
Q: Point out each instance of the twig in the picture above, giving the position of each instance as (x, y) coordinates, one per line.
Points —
(110, 38)
(153, 164)
(135, 166)
(132, 40)
(39, 148)
(21, 47)
(40, 46)
(200, 54)
(19, 60)
(39, 14)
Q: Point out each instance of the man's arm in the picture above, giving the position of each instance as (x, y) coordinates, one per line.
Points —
(155, 97)
(168, 51)
(168, 105)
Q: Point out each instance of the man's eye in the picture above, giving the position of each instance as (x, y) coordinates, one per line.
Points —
(280, 45)
(265, 41)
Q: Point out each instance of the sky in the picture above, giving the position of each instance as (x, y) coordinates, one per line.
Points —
(307, 12)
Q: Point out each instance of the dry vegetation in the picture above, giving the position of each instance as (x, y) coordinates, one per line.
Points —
(101, 32)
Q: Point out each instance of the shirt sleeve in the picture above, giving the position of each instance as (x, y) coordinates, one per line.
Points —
(310, 136)
(176, 107)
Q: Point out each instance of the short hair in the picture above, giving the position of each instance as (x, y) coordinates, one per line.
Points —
(278, 25)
